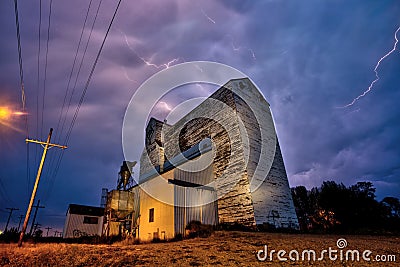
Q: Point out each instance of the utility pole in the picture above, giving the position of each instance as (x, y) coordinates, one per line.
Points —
(48, 228)
(36, 226)
(47, 145)
(55, 233)
(9, 216)
(20, 220)
(34, 215)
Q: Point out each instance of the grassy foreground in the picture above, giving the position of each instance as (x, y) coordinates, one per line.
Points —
(220, 249)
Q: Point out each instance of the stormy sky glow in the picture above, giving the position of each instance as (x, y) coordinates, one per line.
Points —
(307, 57)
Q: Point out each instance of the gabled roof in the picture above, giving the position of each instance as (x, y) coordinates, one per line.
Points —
(85, 210)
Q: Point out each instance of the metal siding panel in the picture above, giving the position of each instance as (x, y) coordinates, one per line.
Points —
(179, 200)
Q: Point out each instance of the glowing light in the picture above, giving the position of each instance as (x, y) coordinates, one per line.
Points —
(7, 115)
(148, 62)
(376, 71)
(19, 113)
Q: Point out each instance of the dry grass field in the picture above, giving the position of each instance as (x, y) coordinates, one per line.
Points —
(221, 249)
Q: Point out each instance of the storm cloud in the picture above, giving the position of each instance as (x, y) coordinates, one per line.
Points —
(309, 59)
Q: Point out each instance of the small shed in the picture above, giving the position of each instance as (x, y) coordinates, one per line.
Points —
(83, 221)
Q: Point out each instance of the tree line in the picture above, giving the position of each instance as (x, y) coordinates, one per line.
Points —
(333, 207)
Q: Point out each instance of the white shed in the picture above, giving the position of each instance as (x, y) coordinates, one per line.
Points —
(83, 221)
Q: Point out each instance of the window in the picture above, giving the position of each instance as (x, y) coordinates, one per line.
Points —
(90, 220)
(151, 215)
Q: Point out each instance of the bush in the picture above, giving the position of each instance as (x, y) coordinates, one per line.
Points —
(10, 236)
(178, 237)
(235, 226)
(197, 229)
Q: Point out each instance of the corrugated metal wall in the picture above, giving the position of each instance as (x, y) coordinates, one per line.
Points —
(194, 203)
(188, 172)
(191, 205)
(74, 222)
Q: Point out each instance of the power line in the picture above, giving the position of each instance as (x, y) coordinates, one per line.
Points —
(72, 69)
(58, 136)
(86, 87)
(51, 182)
(21, 71)
(9, 216)
(45, 65)
(38, 78)
(23, 98)
(28, 212)
(48, 228)
(20, 220)
(4, 194)
(91, 75)
(34, 215)
(81, 63)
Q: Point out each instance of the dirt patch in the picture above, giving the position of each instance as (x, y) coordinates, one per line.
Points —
(220, 249)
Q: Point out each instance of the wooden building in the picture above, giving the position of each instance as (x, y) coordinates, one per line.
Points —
(220, 163)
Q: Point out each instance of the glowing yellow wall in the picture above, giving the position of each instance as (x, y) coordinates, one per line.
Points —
(163, 213)
(113, 228)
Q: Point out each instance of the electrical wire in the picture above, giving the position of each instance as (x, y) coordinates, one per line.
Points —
(57, 133)
(90, 75)
(4, 195)
(81, 63)
(45, 66)
(38, 79)
(72, 93)
(86, 87)
(72, 69)
(23, 98)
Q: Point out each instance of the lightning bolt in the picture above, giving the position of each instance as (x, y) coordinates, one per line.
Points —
(252, 53)
(234, 47)
(198, 67)
(165, 105)
(208, 17)
(376, 72)
(238, 48)
(148, 62)
(127, 76)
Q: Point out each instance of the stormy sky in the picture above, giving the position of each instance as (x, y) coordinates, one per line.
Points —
(309, 58)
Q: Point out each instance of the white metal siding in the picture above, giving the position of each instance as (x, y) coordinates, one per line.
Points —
(75, 222)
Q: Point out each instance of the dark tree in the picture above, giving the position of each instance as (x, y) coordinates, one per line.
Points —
(393, 204)
(354, 209)
(301, 202)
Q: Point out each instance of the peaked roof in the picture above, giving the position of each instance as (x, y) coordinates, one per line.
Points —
(85, 210)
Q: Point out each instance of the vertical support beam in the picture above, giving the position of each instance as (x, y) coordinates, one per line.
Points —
(48, 228)
(46, 144)
(9, 217)
(20, 220)
(34, 215)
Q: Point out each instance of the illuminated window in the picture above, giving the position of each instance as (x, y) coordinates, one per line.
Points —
(90, 220)
(151, 215)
